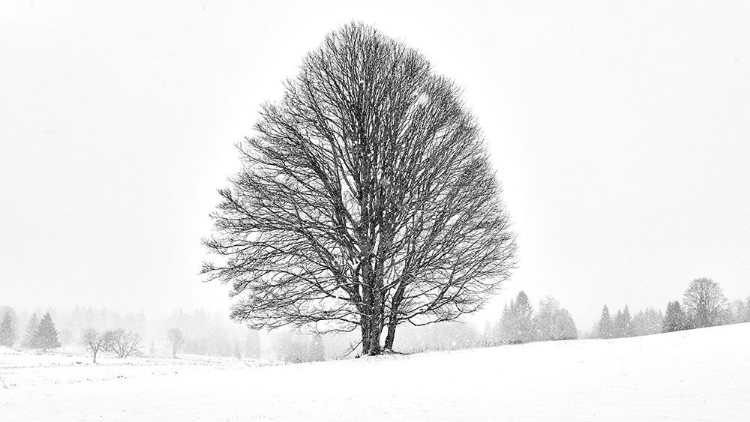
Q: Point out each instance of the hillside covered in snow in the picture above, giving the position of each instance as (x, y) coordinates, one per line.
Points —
(697, 375)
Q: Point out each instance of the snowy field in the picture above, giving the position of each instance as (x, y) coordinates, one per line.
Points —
(699, 375)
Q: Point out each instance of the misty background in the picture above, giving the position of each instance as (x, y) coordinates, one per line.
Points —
(619, 137)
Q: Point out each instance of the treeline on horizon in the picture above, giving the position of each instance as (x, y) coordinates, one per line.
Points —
(703, 305)
(205, 333)
(214, 334)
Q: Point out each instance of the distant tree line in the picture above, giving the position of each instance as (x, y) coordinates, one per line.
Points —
(622, 324)
(40, 334)
(298, 348)
(203, 333)
(703, 305)
(520, 324)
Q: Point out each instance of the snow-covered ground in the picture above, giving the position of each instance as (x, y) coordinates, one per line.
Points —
(699, 375)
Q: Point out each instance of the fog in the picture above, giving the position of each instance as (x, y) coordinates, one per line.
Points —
(619, 133)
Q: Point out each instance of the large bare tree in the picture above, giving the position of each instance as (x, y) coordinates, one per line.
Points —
(705, 303)
(366, 199)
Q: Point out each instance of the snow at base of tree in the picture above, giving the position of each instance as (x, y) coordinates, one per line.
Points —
(694, 375)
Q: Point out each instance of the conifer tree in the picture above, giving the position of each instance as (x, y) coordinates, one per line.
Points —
(7, 330)
(567, 327)
(516, 326)
(617, 331)
(647, 322)
(46, 337)
(675, 319)
(29, 338)
(623, 324)
(605, 324)
(628, 327)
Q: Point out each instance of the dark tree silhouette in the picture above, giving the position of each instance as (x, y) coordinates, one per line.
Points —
(366, 200)
(705, 304)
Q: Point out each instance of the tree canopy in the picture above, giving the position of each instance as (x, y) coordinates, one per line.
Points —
(705, 303)
(366, 199)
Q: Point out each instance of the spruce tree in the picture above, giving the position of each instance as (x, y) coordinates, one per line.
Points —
(525, 315)
(46, 337)
(623, 324)
(7, 331)
(675, 319)
(517, 324)
(617, 326)
(605, 324)
(29, 338)
(567, 328)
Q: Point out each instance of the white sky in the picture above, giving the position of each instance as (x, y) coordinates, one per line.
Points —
(619, 131)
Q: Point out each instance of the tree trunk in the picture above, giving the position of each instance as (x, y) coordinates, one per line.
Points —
(391, 336)
(371, 331)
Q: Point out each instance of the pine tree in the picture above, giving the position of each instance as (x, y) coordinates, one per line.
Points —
(7, 330)
(46, 337)
(605, 324)
(623, 324)
(29, 338)
(647, 322)
(516, 326)
(567, 327)
(617, 330)
(675, 319)
(628, 327)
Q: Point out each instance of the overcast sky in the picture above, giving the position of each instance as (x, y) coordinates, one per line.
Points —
(620, 133)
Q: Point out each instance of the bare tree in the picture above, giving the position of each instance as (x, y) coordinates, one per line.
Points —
(366, 200)
(122, 343)
(176, 340)
(705, 303)
(94, 342)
